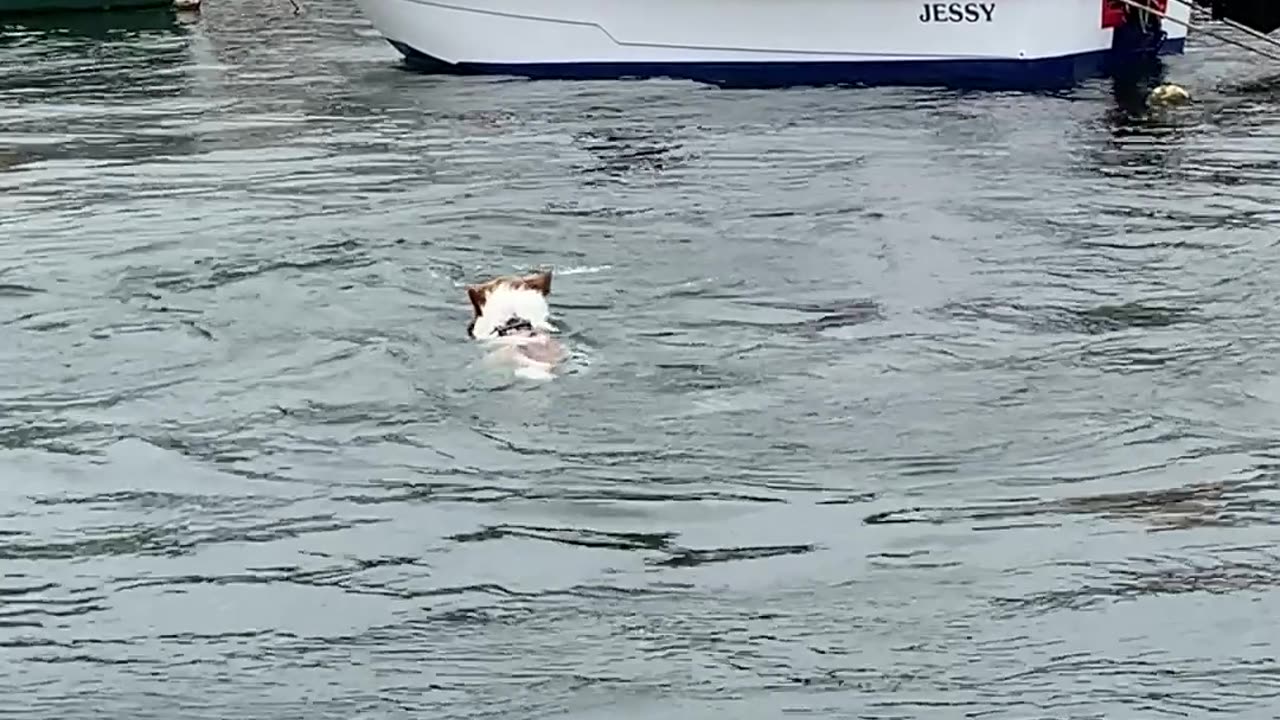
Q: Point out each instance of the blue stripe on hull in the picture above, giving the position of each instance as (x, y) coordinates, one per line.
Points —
(1047, 73)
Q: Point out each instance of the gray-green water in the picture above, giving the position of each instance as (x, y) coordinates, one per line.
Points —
(883, 403)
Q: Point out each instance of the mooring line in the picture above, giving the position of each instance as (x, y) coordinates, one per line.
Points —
(1210, 33)
(1238, 26)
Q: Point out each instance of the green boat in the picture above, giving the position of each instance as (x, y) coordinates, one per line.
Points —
(27, 7)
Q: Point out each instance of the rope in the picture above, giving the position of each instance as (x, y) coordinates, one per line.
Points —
(1188, 26)
(1238, 26)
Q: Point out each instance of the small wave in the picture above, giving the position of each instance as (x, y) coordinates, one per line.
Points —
(583, 269)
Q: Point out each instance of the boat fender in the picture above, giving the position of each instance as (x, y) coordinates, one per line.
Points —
(1168, 94)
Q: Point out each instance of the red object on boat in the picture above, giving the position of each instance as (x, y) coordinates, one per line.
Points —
(1113, 11)
(1112, 14)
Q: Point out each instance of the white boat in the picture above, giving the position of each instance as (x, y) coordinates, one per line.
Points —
(985, 44)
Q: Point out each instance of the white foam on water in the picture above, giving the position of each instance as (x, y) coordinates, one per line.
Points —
(583, 269)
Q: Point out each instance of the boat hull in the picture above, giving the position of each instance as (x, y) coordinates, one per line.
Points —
(36, 7)
(997, 44)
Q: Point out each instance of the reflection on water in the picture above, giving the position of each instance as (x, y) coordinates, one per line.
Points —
(883, 404)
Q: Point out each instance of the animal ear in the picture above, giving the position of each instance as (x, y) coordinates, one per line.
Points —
(477, 295)
(539, 281)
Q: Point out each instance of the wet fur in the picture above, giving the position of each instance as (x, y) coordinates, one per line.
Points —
(534, 353)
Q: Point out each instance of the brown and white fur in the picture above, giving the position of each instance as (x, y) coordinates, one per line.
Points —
(512, 317)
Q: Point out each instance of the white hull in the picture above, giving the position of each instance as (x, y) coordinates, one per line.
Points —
(1008, 42)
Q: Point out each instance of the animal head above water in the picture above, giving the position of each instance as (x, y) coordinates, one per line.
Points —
(497, 301)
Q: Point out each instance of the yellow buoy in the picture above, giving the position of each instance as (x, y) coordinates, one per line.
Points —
(1168, 94)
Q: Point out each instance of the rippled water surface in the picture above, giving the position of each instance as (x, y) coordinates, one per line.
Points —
(882, 403)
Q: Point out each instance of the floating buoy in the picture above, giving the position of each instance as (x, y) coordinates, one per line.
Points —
(1168, 94)
(186, 4)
